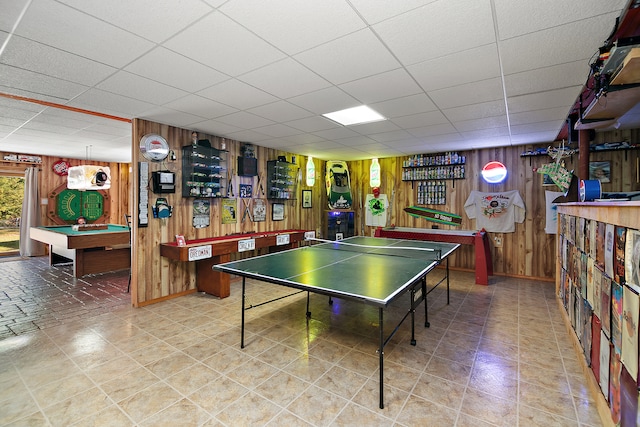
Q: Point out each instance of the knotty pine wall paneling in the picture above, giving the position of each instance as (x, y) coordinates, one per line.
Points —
(49, 181)
(528, 252)
(156, 278)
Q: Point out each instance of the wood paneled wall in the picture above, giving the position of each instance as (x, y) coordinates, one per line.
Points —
(155, 277)
(528, 252)
(49, 181)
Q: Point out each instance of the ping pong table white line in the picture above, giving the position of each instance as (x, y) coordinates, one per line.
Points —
(290, 280)
(341, 242)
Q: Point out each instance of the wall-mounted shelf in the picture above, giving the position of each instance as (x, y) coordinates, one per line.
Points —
(204, 172)
(423, 167)
(281, 179)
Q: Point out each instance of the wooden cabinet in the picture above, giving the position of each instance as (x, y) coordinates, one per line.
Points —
(204, 172)
(282, 179)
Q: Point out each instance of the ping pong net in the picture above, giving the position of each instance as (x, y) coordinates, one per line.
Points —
(403, 249)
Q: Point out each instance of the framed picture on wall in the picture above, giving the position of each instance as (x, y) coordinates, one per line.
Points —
(306, 198)
(546, 180)
(600, 171)
(259, 210)
(277, 212)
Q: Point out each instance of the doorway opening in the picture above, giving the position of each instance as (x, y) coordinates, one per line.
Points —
(11, 195)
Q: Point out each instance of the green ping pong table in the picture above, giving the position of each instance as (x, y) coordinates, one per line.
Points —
(337, 269)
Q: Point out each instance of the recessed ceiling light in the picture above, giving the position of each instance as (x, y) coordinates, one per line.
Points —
(355, 116)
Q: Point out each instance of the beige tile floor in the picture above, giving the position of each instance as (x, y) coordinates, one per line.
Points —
(496, 356)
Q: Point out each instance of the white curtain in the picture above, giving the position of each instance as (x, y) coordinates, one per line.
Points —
(30, 214)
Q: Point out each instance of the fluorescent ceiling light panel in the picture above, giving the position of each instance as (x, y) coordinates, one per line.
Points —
(355, 116)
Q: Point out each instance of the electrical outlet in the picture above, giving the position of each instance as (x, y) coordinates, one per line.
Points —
(497, 241)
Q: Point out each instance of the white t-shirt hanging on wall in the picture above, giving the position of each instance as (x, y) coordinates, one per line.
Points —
(376, 210)
(495, 212)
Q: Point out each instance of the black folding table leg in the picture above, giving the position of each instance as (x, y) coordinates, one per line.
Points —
(381, 358)
(426, 308)
(308, 312)
(243, 298)
(447, 281)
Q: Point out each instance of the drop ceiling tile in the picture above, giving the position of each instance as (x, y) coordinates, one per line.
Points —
(59, 26)
(277, 130)
(313, 24)
(224, 45)
(453, 69)
(248, 135)
(481, 134)
(433, 130)
(168, 116)
(319, 147)
(244, 120)
(550, 126)
(360, 54)
(214, 127)
(382, 87)
(379, 10)
(547, 78)
(375, 127)
(420, 120)
(518, 18)
(280, 111)
(535, 138)
(421, 33)
(536, 116)
(468, 94)
(89, 135)
(325, 100)
(396, 135)
(35, 85)
(173, 16)
(29, 55)
(200, 106)
(18, 114)
(71, 119)
(313, 124)
(134, 86)
(49, 127)
(336, 133)
(237, 94)
(173, 69)
(302, 139)
(284, 79)
(275, 143)
(556, 45)
(115, 129)
(110, 103)
(491, 142)
(476, 111)
(10, 123)
(477, 124)
(358, 141)
(539, 101)
(405, 106)
(11, 11)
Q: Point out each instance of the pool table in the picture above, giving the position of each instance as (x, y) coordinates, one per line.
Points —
(91, 251)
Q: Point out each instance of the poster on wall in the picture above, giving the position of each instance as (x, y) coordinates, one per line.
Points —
(259, 210)
(632, 259)
(201, 213)
(229, 211)
(246, 190)
(630, 310)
